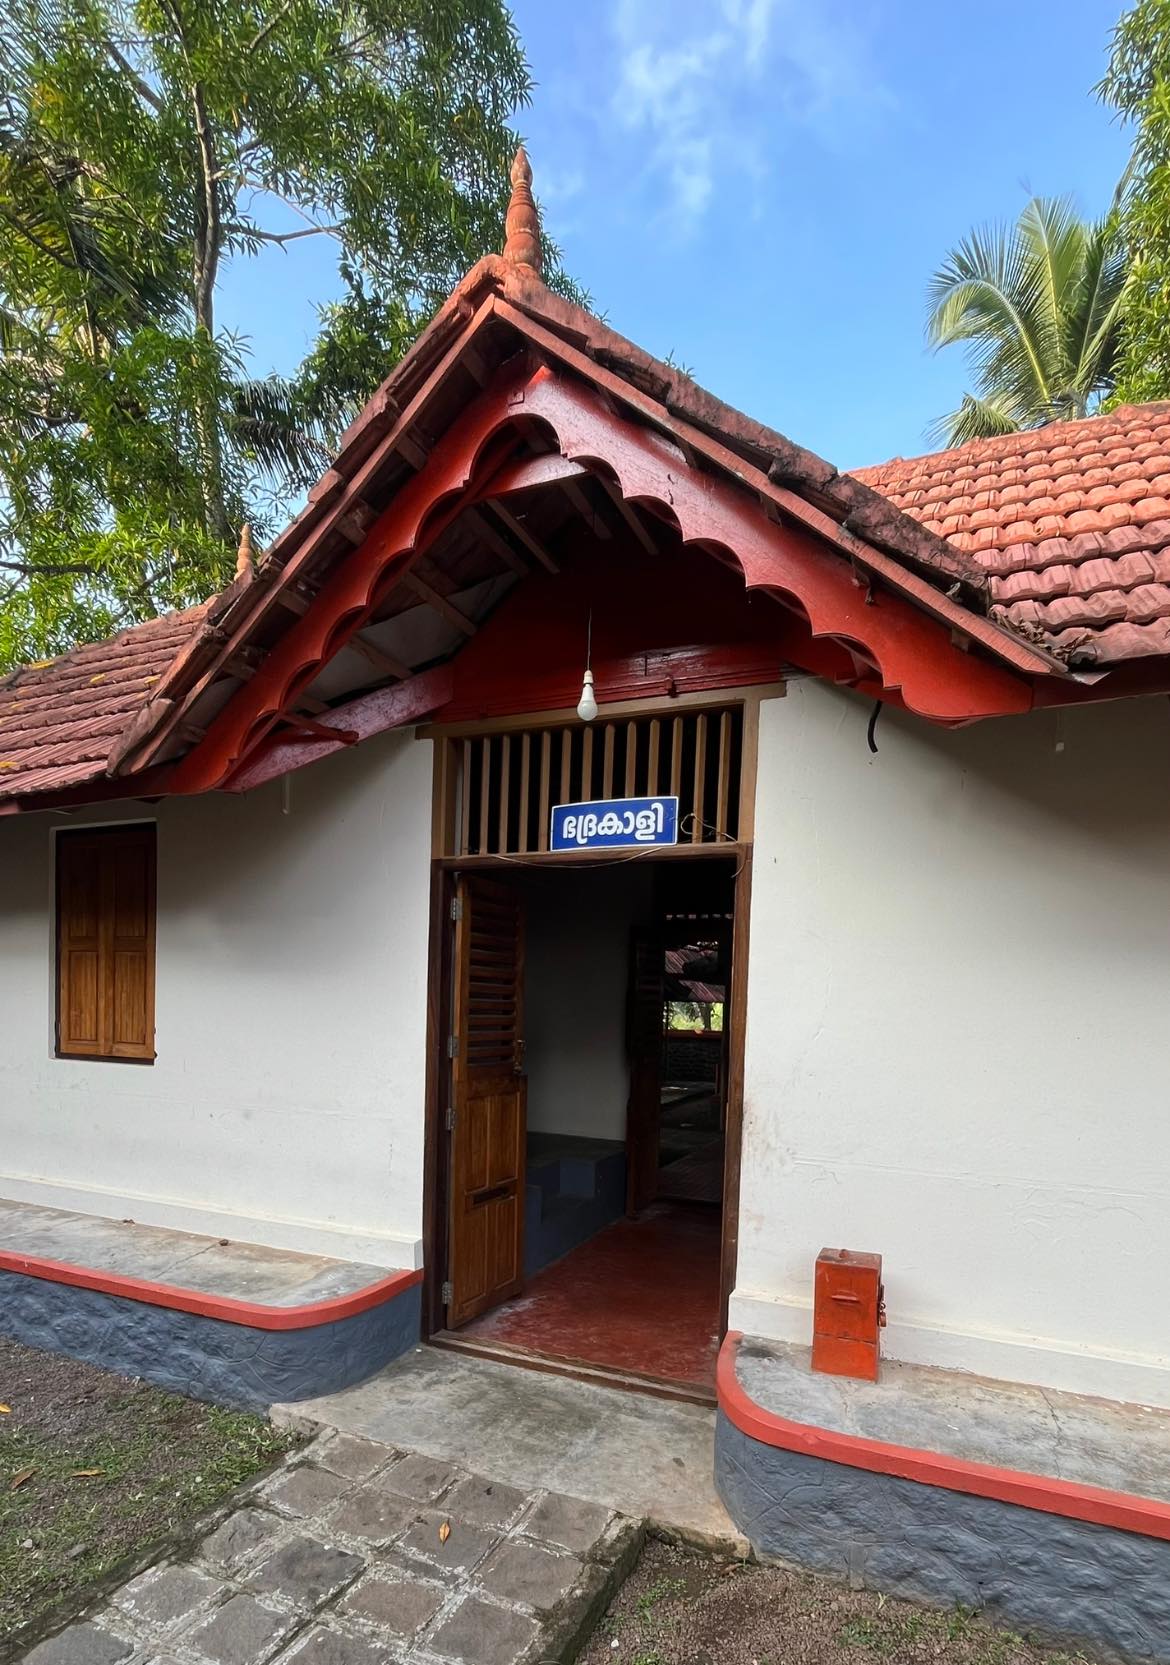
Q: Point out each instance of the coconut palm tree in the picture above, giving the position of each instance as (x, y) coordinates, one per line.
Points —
(1039, 305)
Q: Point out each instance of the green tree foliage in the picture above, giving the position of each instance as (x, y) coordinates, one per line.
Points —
(1038, 306)
(1137, 85)
(143, 145)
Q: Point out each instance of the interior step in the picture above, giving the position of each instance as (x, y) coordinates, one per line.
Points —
(575, 1187)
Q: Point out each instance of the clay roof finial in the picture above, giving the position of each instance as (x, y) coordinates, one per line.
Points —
(245, 561)
(522, 226)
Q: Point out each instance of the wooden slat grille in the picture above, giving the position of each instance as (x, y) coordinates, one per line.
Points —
(509, 781)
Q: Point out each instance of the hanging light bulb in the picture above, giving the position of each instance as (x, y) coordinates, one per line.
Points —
(587, 704)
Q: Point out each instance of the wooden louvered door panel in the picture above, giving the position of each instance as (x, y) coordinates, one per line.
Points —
(489, 1089)
(646, 998)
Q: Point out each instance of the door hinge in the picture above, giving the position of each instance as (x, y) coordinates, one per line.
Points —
(450, 1118)
(456, 908)
(452, 1046)
(446, 1294)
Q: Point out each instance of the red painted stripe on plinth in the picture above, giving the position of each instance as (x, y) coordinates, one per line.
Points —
(1070, 1498)
(253, 1314)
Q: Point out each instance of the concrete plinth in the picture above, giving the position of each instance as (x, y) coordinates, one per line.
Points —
(233, 1323)
(997, 1507)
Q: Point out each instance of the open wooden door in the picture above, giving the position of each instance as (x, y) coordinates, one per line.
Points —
(644, 1047)
(488, 1099)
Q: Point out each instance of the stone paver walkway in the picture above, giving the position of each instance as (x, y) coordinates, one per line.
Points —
(648, 1457)
(354, 1553)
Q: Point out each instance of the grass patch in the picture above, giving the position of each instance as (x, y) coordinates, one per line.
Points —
(896, 1630)
(679, 1607)
(649, 1599)
(94, 1469)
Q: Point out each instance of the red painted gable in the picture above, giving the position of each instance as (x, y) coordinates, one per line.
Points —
(661, 625)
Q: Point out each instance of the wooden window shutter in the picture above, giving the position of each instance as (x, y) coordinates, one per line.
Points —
(105, 943)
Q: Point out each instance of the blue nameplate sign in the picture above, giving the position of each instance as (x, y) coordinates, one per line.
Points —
(614, 822)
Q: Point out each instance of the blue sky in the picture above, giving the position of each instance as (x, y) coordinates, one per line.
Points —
(764, 187)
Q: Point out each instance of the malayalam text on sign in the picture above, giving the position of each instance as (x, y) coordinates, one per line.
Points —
(614, 823)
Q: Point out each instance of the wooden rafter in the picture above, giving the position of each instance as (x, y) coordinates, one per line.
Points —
(482, 528)
(523, 536)
(585, 509)
(356, 522)
(294, 600)
(447, 609)
(374, 655)
(319, 731)
(413, 449)
(629, 514)
(473, 362)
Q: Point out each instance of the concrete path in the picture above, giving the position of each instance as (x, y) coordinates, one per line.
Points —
(649, 1458)
(355, 1553)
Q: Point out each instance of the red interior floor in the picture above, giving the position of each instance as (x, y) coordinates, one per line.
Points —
(642, 1295)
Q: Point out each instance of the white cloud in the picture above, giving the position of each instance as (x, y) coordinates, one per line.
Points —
(561, 185)
(710, 86)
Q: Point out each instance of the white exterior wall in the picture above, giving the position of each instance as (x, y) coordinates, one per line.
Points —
(285, 1105)
(577, 961)
(957, 1036)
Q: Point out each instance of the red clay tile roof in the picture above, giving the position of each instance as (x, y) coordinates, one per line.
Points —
(60, 720)
(1071, 522)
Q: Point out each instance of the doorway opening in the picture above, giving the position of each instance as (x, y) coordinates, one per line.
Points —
(592, 1124)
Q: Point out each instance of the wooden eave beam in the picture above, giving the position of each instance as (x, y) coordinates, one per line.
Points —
(345, 725)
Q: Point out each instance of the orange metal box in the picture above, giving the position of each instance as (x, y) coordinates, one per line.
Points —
(848, 1312)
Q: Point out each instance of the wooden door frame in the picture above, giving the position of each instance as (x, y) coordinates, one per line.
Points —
(436, 1175)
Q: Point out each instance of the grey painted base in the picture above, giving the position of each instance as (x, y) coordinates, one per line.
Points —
(228, 1364)
(1060, 1578)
